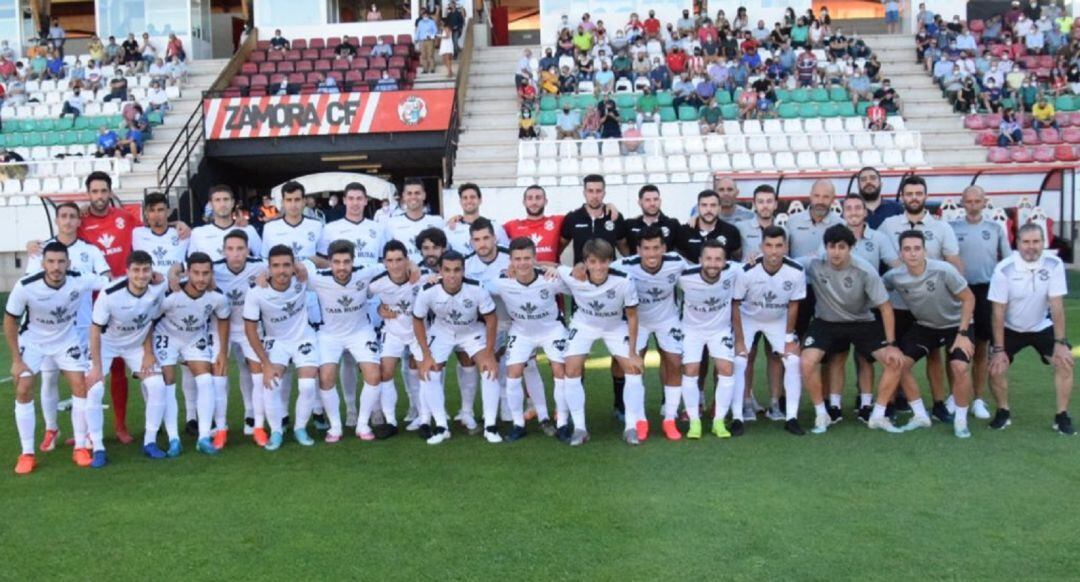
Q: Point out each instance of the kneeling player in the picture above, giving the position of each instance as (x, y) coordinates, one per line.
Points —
(605, 309)
(281, 306)
(463, 315)
(942, 306)
(706, 323)
(123, 316)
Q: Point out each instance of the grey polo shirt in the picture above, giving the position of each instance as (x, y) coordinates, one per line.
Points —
(845, 295)
(740, 214)
(931, 297)
(940, 238)
(982, 246)
(875, 248)
(804, 235)
(750, 233)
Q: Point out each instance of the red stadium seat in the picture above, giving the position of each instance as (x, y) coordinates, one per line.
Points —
(1050, 136)
(402, 50)
(1065, 153)
(292, 55)
(1063, 118)
(367, 41)
(395, 74)
(240, 81)
(323, 65)
(372, 75)
(404, 39)
(999, 156)
(304, 66)
(387, 38)
(315, 78)
(1074, 118)
(991, 120)
(396, 63)
(263, 45)
(336, 76)
(1030, 137)
(259, 80)
(275, 56)
(974, 122)
(358, 64)
(286, 67)
(327, 53)
(299, 43)
(1044, 154)
(232, 92)
(257, 92)
(257, 57)
(1046, 62)
(249, 68)
(310, 54)
(333, 42)
(317, 43)
(364, 51)
(1029, 61)
(1021, 155)
(341, 65)
(277, 78)
(267, 68)
(354, 77)
(296, 78)
(977, 26)
(1071, 134)
(378, 63)
(308, 89)
(986, 138)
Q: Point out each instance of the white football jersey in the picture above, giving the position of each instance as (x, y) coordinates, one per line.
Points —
(51, 313)
(344, 307)
(600, 307)
(706, 307)
(234, 285)
(765, 297)
(166, 249)
(1025, 290)
(453, 313)
(125, 318)
(532, 308)
(368, 235)
(85, 259)
(459, 238)
(210, 239)
(399, 297)
(186, 319)
(655, 291)
(302, 237)
(405, 229)
(478, 270)
(282, 313)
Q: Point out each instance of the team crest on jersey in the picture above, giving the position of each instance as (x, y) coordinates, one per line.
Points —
(234, 295)
(728, 341)
(251, 280)
(544, 294)
(297, 287)
(986, 235)
(175, 240)
(106, 240)
(467, 303)
(1044, 275)
(311, 237)
(610, 293)
(189, 320)
(560, 344)
(722, 239)
(201, 344)
(770, 296)
(74, 352)
(809, 341)
(529, 308)
(788, 285)
(676, 334)
(666, 231)
(455, 316)
(726, 284)
(304, 348)
(59, 313)
(73, 296)
(345, 301)
(296, 248)
(671, 278)
(120, 223)
(869, 246)
(549, 225)
(208, 310)
(373, 346)
(596, 305)
(159, 253)
(609, 226)
(928, 234)
(360, 285)
(848, 282)
(84, 257)
(930, 286)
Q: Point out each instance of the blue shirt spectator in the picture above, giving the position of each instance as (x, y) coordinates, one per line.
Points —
(426, 29)
(107, 141)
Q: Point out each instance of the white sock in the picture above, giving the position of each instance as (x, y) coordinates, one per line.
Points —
(736, 403)
(819, 410)
(504, 406)
(388, 401)
(221, 402)
(172, 412)
(879, 412)
(490, 399)
(246, 386)
(305, 402)
(960, 417)
(634, 398)
(78, 421)
(348, 385)
(562, 413)
(792, 385)
(26, 421)
(835, 400)
(369, 398)
(467, 377)
(258, 411)
(434, 397)
(155, 407)
(412, 387)
(515, 398)
(271, 398)
(691, 397)
(574, 392)
(191, 393)
(534, 386)
(284, 390)
(204, 386)
(95, 416)
(672, 397)
(866, 399)
(50, 397)
(918, 408)
(332, 405)
(725, 386)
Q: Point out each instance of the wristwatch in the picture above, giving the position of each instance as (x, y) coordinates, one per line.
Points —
(791, 338)
(964, 332)
(1063, 341)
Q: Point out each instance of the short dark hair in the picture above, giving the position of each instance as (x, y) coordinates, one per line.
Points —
(341, 247)
(764, 188)
(713, 244)
(914, 181)
(598, 248)
(651, 232)
(155, 198)
(221, 188)
(237, 233)
(854, 197)
(869, 169)
(139, 258)
(451, 255)
(99, 175)
(593, 178)
(469, 186)
(64, 205)
(355, 186)
(55, 247)
(481, 224)
(646, 189)
(838, 233)
(281, 251)
(708, 194)
(293, 186)
(773, 232)
(413, 182)
(435, 235)
(911, 234)
(199, 258)
(523, 243)
(395, 245)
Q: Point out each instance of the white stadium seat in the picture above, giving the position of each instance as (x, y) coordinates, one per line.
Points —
(612, 166)
(863, 141)
(742, 162)
(735, 143)
(547, 150)
(673, 146)
(699, 163)
(850, 159)
(778, 143)
(677, 164)
(883, 140)
(819, 142)
(853, 124)
(732, 128)
(773, 126)
(799, 142)
(568, 150)
(657, 178)
(680, 178)
(785, 161)
(50, 185)
(871, 158)
(896, 122)
(526, 149)
(694, 145)
(670, 129)
(636, 178)
(548, 181)
(828, 160)
(758, 143)
(806, 161)
(590, 149)
(689, 128)
(793, 126)
(763, 162)
(590, 166)
(892, 158)
(526, 168)
(905, 140)
(634, 164)
(547, 167)
(720, 162)
(31, 186)
(650, 130)
(813, 125)
(914, 158)
(834, 125)
(656, 164)
(751, 127)
(715, 144)
(569, 167)
(609, 149)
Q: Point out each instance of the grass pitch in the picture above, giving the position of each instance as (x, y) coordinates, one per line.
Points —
(849, 504)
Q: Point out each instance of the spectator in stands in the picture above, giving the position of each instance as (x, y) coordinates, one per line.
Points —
(386, 83)
(892, 16)
(583, 40)
(687, 24)
(711, 118)
(107, 142)
(373, 14)
(965, 41)
(446, 52)
(57, 36)
(651, 26)
(966, 97)
(113, 52)
(992, 95)
(281, 88)
(426, 32)
(610, 124)
(567, 81)
(55, 67)
(567, 123)
(328, 86)
(800, 34)
(564, 46)
(888, 98)
(604, 80)
(648, 107)
(1028, 93)
(16, 93)
(1009, 131)
(7, 69)
(858, 86)
(817, 34)
(765, 107)
(924, 18)
(118, 89)
(346, 50)
(1035, 39)
(682, 90)
(268, 211)
(157, 98)
(585, 67)
(77, 75)
(14, 167)
(548, 60)
(806, 67)
(747, 104)
(381, 49)
(95, 49)
(455, 19)
(549, 81)
(526, 94)
(130, 53)
(158, 71)
(660, 76)
(132, 143)
(74, 105)
(149, 51)
(1043, 115)
(527, 124)
(591, 123)
(174, 50)
(877, 117)
(278, 42)
(38, 66)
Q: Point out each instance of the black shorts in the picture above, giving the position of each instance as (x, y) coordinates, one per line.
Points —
(806, 312)
(920, 340)
(980, 331)
(834, 338)
(902, 322)
(1042, 341)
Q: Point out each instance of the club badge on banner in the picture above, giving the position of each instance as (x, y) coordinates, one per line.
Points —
(340, 114)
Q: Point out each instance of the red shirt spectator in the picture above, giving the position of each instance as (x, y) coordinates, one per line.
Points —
(652, 26)
(876, 115)
(111, 233)
(805, 66)
(544, 232)
(708, 34)
(7, 68)
(676, 61)
(749, 46)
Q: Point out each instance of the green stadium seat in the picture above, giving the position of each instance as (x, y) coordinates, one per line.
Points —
(788, 110)
(547, 118)
(88, 136)
(863, 106)
(688, 113)
(34, 139)
(83, 122)
(730, 111)
(783, 95)
(1065, 103)
(50, 139)
(68, 137)
(665, 98)
(548, 103)
(564, 99)
(847, 109)
(586, 101)
(624, 100)
(155, 117)
(838, 94)
(829, 109)
(627, 113)
(819, 94)
(668, 114)
(723, 97)
(809, 110)
(16, 140)
(800, 96)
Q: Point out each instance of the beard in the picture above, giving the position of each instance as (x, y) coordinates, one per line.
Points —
(914, 208)
(533, 214)
(870, 195)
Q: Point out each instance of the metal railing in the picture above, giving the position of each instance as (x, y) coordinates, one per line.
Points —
(461, 89)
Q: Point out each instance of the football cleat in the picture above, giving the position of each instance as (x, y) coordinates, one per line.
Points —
(792, 425)
(1001, 420)
(670, 430)
(821, 424)
(275, 441)
(737, 428)
(548, 427)
(439, 436)
(979, 409)
(192, 427)
(491, 435)
(720, 430)
(206, 446)
(516, 433)
(694, 432)
(642, 428)
(301, 436)
(82, 457)
(580, 437)
(884, 424)
(25, 464)
(260, 436)
(153, 452)
(174, 449)
(99, 460)
(631, 437)
(916, 423)
(249, 426)
(48, 443)
(1063, 424)
(220, 438)
(332, 438)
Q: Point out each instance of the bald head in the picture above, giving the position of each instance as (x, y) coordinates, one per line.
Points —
(822, 194)
(728, 192)
(974, 202)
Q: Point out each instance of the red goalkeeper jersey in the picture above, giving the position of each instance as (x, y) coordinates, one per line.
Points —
(112, 234)
(544, 233)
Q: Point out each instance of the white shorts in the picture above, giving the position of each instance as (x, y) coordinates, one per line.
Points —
(442, 343)
(83, 333)
(669, 336)
(303, 353)
(521, 346)
(579, 341)
(237, 344)
(502, 336)
(362, 345)
(169, 352)
(721, 346)
(66, 355)
(393, 345)
(132, 357)
(774, 333)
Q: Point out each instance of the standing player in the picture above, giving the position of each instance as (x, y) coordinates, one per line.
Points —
(654, 272)
(287, 337)
(729, 210)
(649, 202)
(486, 264)
(594, 219)
(183, 333)
(707, 225)
(706, 322)
(536, 323)
(982, 243)
(157, 238)
(293, 229)
(50, 301)
(847, 288)
(405, 227)
(88, 260)
(942, 306)
(606, 310)
(458, 232)
(1024, 289)
(870, 190)
(463, 317)
(210, 237)
(765, 204)
(123, 318)
(766, 301)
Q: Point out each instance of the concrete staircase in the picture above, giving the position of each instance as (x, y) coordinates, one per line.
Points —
(487, 151)
(944, 139)
(201, 74)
